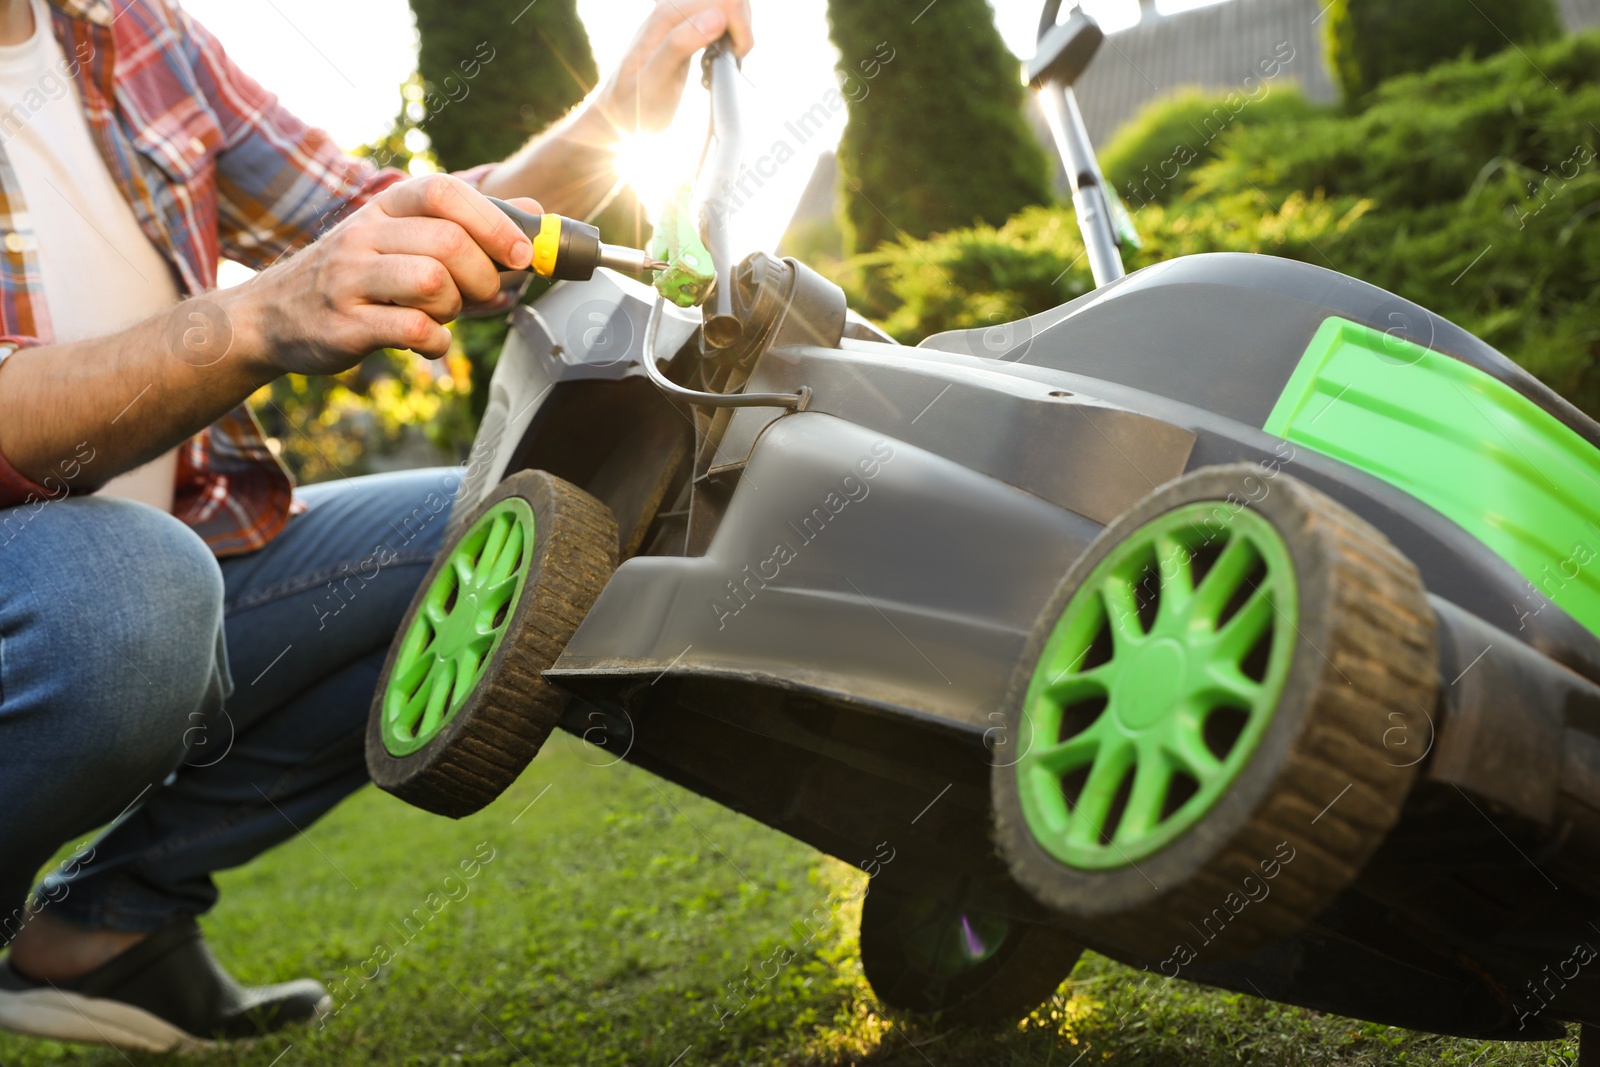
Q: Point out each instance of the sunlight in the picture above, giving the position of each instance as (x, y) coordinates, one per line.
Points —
(648, 164)
(656, 165)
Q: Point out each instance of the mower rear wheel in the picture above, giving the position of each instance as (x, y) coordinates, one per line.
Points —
(1205, 707)
(462, 705)
(932, 955)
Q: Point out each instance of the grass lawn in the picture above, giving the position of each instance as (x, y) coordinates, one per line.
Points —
(593, 915)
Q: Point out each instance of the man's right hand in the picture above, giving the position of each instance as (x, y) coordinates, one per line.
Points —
(388, 276)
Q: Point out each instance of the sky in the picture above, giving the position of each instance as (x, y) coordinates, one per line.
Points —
(339, 65)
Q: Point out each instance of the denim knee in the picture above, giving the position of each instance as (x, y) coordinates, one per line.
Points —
(120, 642)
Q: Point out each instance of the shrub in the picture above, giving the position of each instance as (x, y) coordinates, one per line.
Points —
(1430, 138)
(1370, 41)
(1473, 189)
(496, 72)
(936, 136)
(1153, 158)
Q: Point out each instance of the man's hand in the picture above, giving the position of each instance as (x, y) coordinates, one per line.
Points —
(389, 276)
(644, 92)
(572, 165)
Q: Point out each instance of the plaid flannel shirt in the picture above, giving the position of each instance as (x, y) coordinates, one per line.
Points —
(213, 166)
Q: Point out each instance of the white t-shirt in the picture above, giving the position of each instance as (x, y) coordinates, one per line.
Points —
(101, 273)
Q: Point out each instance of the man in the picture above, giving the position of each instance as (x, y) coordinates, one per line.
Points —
(208, 712)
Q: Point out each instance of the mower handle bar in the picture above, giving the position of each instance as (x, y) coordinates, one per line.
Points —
(1090, 200)
(720, 326)
(720, 76)
(1048, 17)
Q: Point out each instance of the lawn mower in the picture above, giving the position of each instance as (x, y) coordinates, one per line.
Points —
(1237, 620)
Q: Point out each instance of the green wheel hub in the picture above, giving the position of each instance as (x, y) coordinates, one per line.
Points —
(1157, 684)
(462, 620)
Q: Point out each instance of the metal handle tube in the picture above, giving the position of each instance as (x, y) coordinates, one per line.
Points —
(1049, 16)
(1088, 184)
(722, 328)
(652, 330)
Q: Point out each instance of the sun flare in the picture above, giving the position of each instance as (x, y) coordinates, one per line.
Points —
(653, 166)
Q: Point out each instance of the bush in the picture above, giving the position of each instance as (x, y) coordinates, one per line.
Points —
(496, 72)
(1371, 41)
(1153, 158)
(1430, 138)
(936, 136)
(1473, 190)
(1035, 261)
(391, 409)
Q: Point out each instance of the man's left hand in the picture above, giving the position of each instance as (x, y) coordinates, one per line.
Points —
(644, 92)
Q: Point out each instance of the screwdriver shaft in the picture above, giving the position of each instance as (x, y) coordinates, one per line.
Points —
(628, 260)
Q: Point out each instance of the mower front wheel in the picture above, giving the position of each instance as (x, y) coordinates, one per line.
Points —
(462, 705)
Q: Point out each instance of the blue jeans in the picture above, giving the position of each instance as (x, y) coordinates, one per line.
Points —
(212, 711)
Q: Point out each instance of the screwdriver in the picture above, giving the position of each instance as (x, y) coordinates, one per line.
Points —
(567, 250)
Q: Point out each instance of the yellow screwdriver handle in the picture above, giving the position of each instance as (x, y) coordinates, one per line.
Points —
(563, 248)
(547, 245)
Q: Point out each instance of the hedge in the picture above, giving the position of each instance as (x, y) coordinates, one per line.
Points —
(1371, 41)
(936, 136)
(1472, 189)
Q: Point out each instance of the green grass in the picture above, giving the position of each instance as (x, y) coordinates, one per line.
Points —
(614, 911)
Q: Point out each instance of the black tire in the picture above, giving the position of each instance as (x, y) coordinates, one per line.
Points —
(507, 717)
(912, 952)
(1321, 790)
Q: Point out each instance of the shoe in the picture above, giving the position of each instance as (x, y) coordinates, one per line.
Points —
(165, 994)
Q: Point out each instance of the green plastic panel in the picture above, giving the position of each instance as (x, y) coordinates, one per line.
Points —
(1477, 451)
